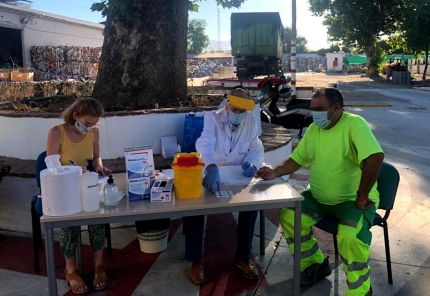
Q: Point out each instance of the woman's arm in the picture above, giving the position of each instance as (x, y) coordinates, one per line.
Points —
(53, 142)
(97, 160)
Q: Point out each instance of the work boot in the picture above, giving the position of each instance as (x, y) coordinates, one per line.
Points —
(248, 269)
(197, 273)
(315, 273)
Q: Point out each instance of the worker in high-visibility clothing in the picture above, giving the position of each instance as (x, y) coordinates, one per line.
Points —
(345, 160)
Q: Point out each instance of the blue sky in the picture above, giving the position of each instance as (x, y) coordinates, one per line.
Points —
(307, 25)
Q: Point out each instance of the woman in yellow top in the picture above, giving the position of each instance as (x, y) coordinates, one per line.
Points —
(77, 139)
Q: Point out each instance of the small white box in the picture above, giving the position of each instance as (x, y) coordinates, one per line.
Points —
(169, 147)
(162, 190)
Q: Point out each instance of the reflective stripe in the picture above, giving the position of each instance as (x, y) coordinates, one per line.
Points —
(350, 223)
(314, 216)
(310, 252)
(303, 239)
(354, 266)
(359, 282)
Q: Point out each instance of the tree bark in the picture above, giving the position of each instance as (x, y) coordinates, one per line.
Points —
(143, 61)
(370, 50)
(425, 67)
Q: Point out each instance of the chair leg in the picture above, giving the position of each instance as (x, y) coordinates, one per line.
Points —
(37, 237)
(336, 249)
(109, 240)
(262, 232)
(387, 253)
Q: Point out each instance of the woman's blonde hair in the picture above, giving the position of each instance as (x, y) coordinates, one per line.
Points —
(83, 107)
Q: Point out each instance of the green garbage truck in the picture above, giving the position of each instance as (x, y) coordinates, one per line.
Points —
(257, 43)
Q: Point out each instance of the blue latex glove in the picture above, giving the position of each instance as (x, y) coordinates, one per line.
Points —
(248, 169)
(212, 181)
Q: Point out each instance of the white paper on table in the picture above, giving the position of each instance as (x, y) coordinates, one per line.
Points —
(233, 175)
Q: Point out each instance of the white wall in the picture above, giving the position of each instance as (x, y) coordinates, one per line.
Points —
(28, 136)
(331, 57)
(40, 31)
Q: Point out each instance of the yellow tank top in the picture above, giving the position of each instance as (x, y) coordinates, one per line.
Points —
(78, 152)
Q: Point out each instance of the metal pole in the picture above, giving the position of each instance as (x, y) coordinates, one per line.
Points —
(50, 259)
(293, 51)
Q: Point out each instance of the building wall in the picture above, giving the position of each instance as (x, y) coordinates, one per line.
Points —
(40, 31)
(331, 58)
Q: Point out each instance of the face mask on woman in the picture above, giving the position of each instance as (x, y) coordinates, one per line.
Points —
(82, 128)
(236, 119)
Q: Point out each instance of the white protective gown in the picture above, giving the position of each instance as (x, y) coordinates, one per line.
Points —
(220, 146)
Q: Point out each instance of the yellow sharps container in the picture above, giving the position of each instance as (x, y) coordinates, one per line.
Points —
(187, 174)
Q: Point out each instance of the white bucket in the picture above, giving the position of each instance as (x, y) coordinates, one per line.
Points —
(154, 241)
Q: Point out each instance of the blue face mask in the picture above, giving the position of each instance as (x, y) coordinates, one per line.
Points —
(236, 119)
(320, 118)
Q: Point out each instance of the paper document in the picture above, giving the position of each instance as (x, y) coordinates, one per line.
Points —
(233, 175)
(103, 178)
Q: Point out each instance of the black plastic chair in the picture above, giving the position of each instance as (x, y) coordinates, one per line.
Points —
(35, 219)
(388, 181)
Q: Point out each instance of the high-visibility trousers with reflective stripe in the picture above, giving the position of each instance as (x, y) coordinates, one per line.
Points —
(353, 238)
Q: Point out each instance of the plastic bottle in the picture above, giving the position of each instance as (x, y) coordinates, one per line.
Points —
(90, 192)
(110, 192)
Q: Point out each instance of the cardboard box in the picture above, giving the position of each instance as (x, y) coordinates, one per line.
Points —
(139, 163)
(169, 147)
(21, 76)
(4, 76)
(162, 190)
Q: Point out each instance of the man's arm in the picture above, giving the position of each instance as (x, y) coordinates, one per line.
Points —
(287, 167)
(370, 172)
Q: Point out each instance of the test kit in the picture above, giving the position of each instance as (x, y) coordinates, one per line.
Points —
(139, 163)
(162, 191)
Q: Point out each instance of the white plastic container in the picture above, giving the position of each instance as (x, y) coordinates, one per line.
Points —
(153, 241)
(90, 192)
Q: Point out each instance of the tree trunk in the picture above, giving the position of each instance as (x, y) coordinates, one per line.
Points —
(370, 50)
(143, 61)
(427, 63)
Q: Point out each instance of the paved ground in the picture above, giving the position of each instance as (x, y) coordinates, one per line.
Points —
(402, 128)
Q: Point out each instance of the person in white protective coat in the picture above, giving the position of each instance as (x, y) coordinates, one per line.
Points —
(229, 137)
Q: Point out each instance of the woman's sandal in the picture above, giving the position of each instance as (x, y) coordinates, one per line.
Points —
(100, 277)
(80, 283)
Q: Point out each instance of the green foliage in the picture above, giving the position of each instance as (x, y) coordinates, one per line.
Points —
(378, 56)
(358, 24)
(415, 27)
(413, 31)
(197, 39)
(301, 42)
(124, 8)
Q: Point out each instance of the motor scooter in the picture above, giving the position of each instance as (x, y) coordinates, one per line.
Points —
(297, 115)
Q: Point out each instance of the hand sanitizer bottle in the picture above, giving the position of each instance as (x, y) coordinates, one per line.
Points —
(110, 193)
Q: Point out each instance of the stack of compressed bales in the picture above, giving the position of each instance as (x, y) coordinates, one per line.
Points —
(65, 62)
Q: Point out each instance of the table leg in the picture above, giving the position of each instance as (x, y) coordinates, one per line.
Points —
(297, 242)
(50, 260)
(79, 252)
(262, 232)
